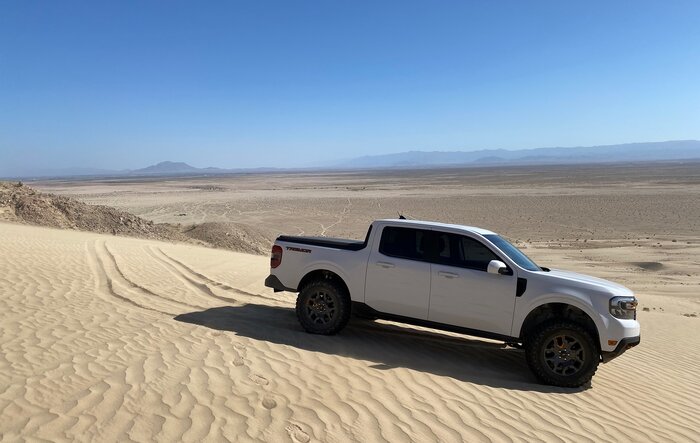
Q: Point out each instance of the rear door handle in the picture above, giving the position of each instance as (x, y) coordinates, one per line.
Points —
(385, 265)
(447, 274)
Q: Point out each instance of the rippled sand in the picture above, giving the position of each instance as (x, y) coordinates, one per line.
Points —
(111, 339)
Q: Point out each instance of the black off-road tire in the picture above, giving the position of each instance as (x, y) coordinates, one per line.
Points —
(323, 307)
(562, 353)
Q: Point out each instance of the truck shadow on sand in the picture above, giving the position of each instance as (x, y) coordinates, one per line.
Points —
(387, 345)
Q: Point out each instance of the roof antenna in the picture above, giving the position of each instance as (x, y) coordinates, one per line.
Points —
(401, 217)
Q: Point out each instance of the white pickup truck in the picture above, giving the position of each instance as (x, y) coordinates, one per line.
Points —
(461, 279)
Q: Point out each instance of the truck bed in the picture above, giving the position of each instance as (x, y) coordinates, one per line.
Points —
(326, 242)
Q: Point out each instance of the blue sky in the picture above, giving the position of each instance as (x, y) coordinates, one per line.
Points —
(125, 84)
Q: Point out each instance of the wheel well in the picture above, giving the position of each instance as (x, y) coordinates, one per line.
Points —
(323, 274)
(551, 311)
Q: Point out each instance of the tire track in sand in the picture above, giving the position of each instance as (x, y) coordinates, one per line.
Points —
(341, 216)
(207, 281)
(105, 283)
(135, 286)
(182, 274)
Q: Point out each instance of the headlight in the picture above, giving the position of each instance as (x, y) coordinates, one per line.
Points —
(624, 308)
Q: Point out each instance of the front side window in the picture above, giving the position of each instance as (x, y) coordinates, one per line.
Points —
(406, 243)
(474, 254)
(464, 252)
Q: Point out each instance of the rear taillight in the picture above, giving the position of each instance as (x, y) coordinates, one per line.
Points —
(276, 257)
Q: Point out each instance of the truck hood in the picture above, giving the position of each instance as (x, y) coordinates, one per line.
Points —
(586, 281)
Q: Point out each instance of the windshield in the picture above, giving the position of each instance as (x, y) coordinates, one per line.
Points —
(513, 253)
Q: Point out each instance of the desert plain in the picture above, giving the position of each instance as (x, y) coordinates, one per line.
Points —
(111, 338)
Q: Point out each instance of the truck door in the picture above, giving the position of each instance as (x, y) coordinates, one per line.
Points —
(463, 293)
(398, 273)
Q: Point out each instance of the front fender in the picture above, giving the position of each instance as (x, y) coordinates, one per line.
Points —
(580, 301)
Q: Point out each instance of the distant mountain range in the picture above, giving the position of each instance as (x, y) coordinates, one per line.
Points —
(181, 168)
(631, 152)
(165, 168)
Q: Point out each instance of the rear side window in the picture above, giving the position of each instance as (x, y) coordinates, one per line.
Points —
(404, 243)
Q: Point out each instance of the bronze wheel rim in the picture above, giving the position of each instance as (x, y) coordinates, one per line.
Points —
(564, 355)
(321, 307)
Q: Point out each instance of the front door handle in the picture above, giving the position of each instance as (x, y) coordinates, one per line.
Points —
(385, 265)
(448, 274)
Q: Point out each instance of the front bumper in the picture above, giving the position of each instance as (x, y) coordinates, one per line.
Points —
(617, 329)
(625, 344)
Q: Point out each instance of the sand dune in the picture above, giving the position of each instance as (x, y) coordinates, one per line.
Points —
(106, 338)
(23, 204)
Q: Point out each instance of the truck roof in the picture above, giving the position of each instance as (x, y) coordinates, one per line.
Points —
(472, 229)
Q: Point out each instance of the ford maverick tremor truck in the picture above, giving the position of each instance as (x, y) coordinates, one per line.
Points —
(461, 279)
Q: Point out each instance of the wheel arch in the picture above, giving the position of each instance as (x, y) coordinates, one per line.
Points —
(323, 274)
(550, 310)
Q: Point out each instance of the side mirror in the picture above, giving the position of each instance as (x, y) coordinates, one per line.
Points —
(498, 267)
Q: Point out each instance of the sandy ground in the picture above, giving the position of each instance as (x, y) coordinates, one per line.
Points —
(548, 203)
(107, 338)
